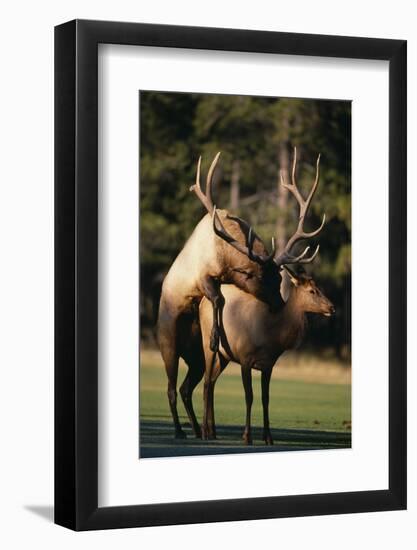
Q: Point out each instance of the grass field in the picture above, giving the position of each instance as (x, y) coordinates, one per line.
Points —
(306, 411)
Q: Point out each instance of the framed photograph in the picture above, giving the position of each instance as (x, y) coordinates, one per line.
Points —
(230, 275)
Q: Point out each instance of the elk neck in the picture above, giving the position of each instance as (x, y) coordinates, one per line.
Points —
(290, 323)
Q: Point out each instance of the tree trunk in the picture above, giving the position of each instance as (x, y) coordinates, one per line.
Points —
(235, 186)
(281, 229)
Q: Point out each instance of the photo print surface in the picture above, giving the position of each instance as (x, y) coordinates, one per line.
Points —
(245, 274)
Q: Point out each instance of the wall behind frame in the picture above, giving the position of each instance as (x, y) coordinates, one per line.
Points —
(26, 277)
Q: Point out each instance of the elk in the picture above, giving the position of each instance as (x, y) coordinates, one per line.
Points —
(255, 337)
(223, 249)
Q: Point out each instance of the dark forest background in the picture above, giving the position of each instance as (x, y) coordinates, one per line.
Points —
(256, 136)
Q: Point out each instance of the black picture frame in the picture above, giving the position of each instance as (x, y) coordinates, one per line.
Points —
(76, 272)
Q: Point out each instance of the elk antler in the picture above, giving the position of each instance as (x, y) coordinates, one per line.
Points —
(206, 198)
(286, 257)
(250, 239)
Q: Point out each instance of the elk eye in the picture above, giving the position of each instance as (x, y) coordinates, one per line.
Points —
(311, 291)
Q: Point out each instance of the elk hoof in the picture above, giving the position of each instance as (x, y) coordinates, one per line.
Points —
(247, 439)
(180, 434)
(197, 432)
(208, 433)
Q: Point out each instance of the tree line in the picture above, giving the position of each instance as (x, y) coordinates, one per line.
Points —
(256, 136)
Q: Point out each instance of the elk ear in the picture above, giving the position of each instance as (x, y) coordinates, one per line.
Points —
(291, 275)
(285, 286)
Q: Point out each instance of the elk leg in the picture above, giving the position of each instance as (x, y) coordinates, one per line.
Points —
(265, 380)
(216, 365)
(168, 348)
(211, 289)
(210, 360)
(172, 373)
(194, 375)
(172, 399)
(212, 373)
(207, 428)
(218, 369)
(247, 385)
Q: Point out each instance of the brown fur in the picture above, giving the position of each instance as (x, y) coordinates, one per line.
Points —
(205, 262)
(255, 337)
(215, 254)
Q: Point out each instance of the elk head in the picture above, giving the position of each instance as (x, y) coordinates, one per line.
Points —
(306, 295)
(260, 275)
(246, 262)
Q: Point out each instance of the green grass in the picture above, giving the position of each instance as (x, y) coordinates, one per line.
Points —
(302, 414)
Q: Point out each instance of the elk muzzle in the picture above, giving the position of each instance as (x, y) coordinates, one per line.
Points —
(329, 310)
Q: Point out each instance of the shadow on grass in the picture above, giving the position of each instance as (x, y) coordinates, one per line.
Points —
(156, 440)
